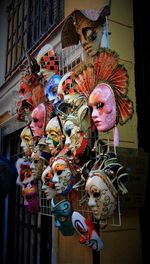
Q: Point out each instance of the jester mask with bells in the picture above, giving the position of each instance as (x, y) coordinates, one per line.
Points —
(104, 83)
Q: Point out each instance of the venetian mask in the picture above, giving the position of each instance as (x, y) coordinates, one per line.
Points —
(88, 235)
(89, 35)
(48, 186)
(101, 195)
(37, 163)
(23, 168)
(27, 142)
(102, 102)
(31, 200)
(62, 212)
(51, 90)
(75, 138)
(38, 120)
(48, 61)
(63, 178)
(25, 102)
(54, 136)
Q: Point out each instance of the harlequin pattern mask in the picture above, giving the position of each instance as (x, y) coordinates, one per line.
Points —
(48, 61)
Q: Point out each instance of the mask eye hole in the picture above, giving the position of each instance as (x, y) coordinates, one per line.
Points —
(62, 218)
(100, 105)
(54, 90)
(59, 172)
(35, 120)
(22, 90)
(89, 33)
(68, 132)
(35, 161)
(96, 194)
(29, 198)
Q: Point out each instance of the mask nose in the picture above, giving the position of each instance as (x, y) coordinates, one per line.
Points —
(55, 178)
(94, 113)
(32, 166)
(91, 202)
(67, 141)
(23, 144)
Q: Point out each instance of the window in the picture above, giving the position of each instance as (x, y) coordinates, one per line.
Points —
(29, 21)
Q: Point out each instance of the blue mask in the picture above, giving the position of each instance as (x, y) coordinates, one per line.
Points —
(51, 90)
(62, 212)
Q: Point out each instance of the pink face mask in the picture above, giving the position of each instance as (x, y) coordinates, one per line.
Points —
(31, 200)
(102, 102)
(38, 120)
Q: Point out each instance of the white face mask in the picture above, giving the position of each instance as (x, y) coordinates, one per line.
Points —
(102, 195)
(73, 136)
(62, 176)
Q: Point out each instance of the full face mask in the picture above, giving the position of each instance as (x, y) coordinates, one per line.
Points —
(48, 61)
(54, 136)
(27, 142)
(48, 186)
(38, 120)
(62, 212)
(88, 235)
(25, 102)
(102, 102)
(90, 35)
(51, 90)
(75, 138)
(31, 200)
(63, 177)
(102, 195)
(37, 164)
